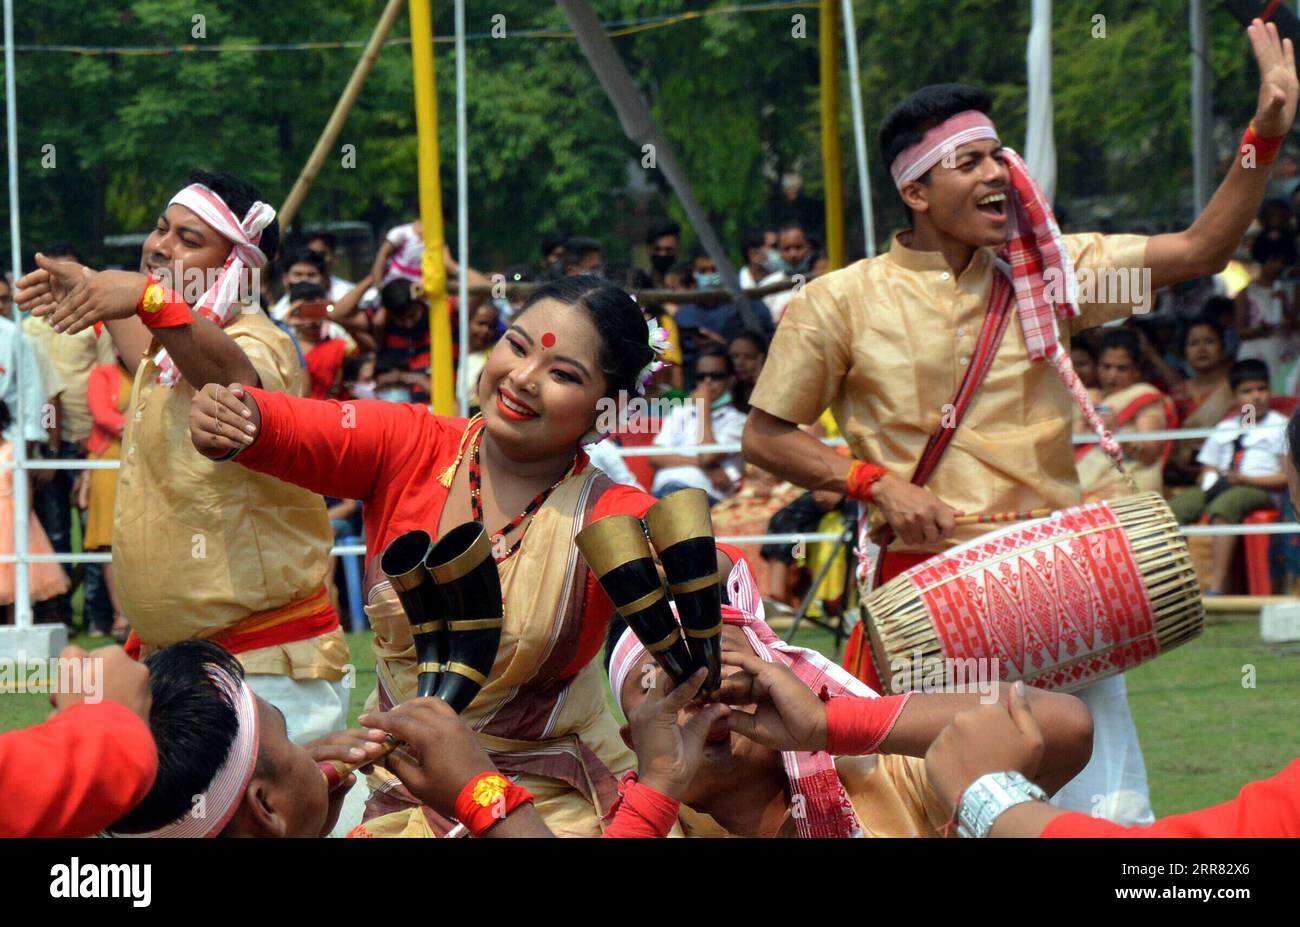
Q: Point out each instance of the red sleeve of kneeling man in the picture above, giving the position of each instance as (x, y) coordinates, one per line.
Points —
(857, 726)
(1268, 808)
(75, 774)
(643, 812)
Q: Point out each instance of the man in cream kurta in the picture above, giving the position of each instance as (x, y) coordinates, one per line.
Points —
(884, 343)
(200, 550)
(198, 547)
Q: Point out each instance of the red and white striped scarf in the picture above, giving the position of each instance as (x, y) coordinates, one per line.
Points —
(220, 302)
(814, 784)
(1034, 251)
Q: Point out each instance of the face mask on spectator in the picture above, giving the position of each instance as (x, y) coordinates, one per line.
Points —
(708, 281)
(663, 262)
(364, 390)
(773, 262)
(800, 268)
(394, 394)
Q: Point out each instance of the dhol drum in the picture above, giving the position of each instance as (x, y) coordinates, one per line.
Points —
(1059, 602)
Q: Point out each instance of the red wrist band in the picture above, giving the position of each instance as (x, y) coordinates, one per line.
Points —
(857, 726)
(486, 800)
(160, 307)
(1264, 150)
(862, 480)
(641, 811)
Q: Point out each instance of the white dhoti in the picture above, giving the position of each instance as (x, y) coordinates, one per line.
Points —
(1114, 783)
(312, 707)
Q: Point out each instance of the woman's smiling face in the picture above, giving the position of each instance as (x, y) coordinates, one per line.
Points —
(542, 381)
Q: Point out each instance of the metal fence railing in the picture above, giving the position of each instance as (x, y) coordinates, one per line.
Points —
(22, 555)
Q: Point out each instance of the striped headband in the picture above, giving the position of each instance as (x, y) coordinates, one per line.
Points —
(828, 812)
(940, 141)
(216, 805)
(220, 301)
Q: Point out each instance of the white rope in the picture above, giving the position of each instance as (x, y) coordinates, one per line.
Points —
(696, 450)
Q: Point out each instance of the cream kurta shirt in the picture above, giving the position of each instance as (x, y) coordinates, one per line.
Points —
(73, 357)
(199, 545)
(885, 342)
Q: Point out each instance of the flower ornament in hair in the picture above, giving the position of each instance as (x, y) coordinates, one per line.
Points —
(659, 344)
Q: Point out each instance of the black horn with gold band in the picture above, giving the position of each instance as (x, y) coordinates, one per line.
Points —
(465, 574)
(402, 562)
(681, 530)
(616, 549)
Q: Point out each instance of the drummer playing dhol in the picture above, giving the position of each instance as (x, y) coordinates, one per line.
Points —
(886, 343)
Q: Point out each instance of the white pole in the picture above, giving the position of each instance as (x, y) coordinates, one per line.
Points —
(1040, 143)
(462, 211)
(859, 129)
(22, 597)
(1202, 156)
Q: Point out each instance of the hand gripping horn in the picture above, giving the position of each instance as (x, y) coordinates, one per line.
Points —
(617, 552)
(403, 563)
(468, 583)
(682, 532)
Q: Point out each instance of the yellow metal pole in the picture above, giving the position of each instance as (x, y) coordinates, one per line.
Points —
(832, 166)
(442, 380)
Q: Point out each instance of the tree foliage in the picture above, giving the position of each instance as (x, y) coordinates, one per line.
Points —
(736, 95)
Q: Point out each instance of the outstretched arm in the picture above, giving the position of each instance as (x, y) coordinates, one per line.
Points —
(73, 298)
(1204, 248)
(789, 716)
(340, 449)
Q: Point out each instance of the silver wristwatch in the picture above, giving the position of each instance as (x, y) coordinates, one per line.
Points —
(990, 795)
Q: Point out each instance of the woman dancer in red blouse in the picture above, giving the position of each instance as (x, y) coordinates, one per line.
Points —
(576, 345)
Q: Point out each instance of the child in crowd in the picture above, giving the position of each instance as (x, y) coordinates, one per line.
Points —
(1240, 472)
(482, 336)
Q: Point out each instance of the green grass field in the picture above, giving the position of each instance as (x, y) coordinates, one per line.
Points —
(1204, 734)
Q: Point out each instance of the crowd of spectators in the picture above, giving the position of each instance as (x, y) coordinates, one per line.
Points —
(1213, 353)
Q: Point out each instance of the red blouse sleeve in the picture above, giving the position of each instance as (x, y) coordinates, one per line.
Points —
(101, 396)
(1269, 808)
(348, 450)
(75, 774)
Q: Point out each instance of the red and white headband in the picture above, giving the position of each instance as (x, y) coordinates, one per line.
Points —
(940, 141)
(220, 301)
(214, 808)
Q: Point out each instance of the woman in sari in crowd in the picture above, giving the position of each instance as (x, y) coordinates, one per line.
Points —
(1127, 403)
(1266, 310)
(1204, 398)
(761, 494)
(519, 469)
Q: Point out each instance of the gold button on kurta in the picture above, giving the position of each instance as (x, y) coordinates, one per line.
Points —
(199, 546)
(880, 343)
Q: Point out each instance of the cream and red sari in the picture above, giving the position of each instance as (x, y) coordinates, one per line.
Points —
(543, 715)
(1098, 476)
(1203, 411)
(557, 736)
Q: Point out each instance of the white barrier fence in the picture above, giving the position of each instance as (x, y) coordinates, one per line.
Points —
(695, 451)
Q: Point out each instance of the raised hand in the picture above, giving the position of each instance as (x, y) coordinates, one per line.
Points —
(42, 289)
(349, 747)
(788, 716)
(85, 296)
(669, 732)
(1279, 87)
(440, 753)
